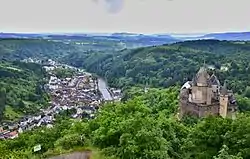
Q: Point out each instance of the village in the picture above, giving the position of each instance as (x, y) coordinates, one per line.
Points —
(82, 95)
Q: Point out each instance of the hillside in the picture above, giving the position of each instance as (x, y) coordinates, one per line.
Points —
(163, 66)
(228, 36)
(130, 39)
(171, 64)
(143, 124)
(99, 41)
(142, 127)
(20, 89)
(19, 49)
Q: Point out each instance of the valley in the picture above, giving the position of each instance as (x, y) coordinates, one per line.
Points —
(57, 93)
(124, 79)
(79, 95)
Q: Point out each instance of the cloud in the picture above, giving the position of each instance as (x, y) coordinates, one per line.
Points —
(112, 6)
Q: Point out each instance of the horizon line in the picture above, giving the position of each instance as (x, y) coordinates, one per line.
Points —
(126, 32)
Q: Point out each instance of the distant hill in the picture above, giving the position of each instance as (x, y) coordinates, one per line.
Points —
(128, 36)
(129, 40)
(20, 35)
(228, 36)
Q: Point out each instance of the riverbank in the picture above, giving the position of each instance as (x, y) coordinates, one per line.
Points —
(103, 88)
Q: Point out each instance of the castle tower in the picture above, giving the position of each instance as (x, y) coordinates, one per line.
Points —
(200, 88)
(215, 84)
(223, 101)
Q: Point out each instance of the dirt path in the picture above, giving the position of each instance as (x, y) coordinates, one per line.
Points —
(75, 155)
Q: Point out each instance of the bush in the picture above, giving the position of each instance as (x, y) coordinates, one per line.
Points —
(70, 141)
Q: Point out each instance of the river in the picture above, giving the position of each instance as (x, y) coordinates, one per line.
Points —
(103, 88)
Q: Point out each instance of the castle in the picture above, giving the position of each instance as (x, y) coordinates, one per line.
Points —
(205, 96)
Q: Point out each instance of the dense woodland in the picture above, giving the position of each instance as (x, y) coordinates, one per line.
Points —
(172, 64)
(142, 125)
(21, 89)
(19, 49)
(149, 65)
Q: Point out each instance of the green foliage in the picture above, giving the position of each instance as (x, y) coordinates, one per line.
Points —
(138, 128)
(223, 154)
(243, 103)
(247, 92)
(21, 89)
(19, 49)
(2, 101)
(157, 66)
(144, 124)
(168, 65)
(63, 73)
(243, 100)
(70, 140)
(207, 137)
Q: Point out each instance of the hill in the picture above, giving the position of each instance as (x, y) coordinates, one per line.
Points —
(141, 127)
(157, 66)
(143, 124)
(21, 90)
(228, 36)
(109, 40)
(19, 49)
(170, 64)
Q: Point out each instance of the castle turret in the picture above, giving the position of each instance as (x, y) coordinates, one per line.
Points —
(223, 101)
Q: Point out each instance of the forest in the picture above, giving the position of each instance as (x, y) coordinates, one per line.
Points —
(156, 66)
(143, 124)
(168, 65)
(21, 89)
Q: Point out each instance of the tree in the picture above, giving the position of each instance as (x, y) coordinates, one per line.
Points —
(247, 92)
(223, 154)
(207, 138)
(70, 140)
(2, 102)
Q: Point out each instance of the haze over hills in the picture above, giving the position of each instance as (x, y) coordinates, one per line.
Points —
(142, 39)
(231, 36)
(126, 40)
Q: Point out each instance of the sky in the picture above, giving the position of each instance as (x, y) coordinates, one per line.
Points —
(136, 16)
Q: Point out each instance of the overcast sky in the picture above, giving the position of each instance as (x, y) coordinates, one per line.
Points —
(144, 16)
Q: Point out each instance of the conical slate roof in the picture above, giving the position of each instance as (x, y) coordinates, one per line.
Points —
(224, 90)
(202, 76)
(214, 80)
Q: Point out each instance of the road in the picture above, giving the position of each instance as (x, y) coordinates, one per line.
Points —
(103, 88)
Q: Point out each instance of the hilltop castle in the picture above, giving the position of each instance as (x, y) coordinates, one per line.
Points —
(205, 96)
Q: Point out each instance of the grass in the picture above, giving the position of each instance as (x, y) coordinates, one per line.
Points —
(6, 66)
(10, 114)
